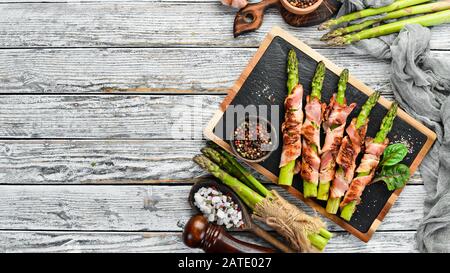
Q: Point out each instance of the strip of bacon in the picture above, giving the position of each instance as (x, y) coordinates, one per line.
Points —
(368, 166)
(311, 138)
(291, 127)
(335, 118)
(346, 158)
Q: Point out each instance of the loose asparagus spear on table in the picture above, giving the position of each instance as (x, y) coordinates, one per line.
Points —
(334, 125)
(414, 10)
(428, 20)
(370, 12)
(364, 177)
(311, 135)
(287, 169)
(344, 176)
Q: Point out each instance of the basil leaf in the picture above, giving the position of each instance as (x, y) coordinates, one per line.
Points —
(395, 176)
(394, 154)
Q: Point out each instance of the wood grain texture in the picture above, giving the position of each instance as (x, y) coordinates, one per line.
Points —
(147, 70)
(106, 116)
(144, 24)
(141, 208)
(109, 116)
(104, 162)
(170, 64)
(28, 241)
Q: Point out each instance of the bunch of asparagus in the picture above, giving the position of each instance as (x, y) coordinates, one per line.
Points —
(226, 168)
(432, 14)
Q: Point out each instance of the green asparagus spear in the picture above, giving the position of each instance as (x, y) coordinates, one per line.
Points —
(386, 124)
(287, 172)
(428, 20)
(229, 164)
(247, 195)
(292, 71)
(370, 12)
(324, 186)
(224, 164)
(419, 9)
(363, 115)
(310, 187)
(345, 30)
(385, 128)
(317, 82)
(342, 87)
(361, 119)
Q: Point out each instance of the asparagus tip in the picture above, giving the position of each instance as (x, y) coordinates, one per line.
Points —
(376, 95)
(336, 41)
(320, 66)
(329, 35)
(325, 25)
(200, 160)
(292, 53)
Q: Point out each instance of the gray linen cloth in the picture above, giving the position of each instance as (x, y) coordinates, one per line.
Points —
(421, 84)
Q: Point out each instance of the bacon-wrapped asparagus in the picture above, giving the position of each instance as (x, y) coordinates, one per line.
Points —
(335, 118)
(348, 152)
(369, 163)
(293, 119)
(311, 134)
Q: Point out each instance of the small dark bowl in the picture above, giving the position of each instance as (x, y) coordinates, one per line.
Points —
(227, 191)
(273, 138)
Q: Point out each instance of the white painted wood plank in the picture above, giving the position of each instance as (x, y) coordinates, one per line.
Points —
(109, 116)
(141, 208)
(106, 116)
(176, 70)
(143, 24)
(103, 162)
(186, 70)
(25, 241)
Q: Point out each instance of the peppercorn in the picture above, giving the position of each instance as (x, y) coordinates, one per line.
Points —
(249, 137)
(302, 4)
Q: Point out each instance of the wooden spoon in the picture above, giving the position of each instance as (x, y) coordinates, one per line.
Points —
(249, 225)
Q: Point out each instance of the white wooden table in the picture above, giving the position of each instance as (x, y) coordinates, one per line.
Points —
(88, 95)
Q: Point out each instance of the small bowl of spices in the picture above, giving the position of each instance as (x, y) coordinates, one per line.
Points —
(254, 139)
(301, 7)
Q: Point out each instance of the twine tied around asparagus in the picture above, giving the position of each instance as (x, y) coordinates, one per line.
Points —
(289, 221)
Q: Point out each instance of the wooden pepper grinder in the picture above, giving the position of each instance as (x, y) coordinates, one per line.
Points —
(199, 233)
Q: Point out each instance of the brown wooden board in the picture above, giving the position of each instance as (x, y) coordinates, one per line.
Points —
(263, 82)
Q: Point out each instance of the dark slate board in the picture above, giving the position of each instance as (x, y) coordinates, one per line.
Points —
(266, 85)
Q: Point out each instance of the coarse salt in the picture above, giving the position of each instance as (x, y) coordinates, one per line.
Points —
(218, 208)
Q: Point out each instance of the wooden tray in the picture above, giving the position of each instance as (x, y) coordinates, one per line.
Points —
(263, 82)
